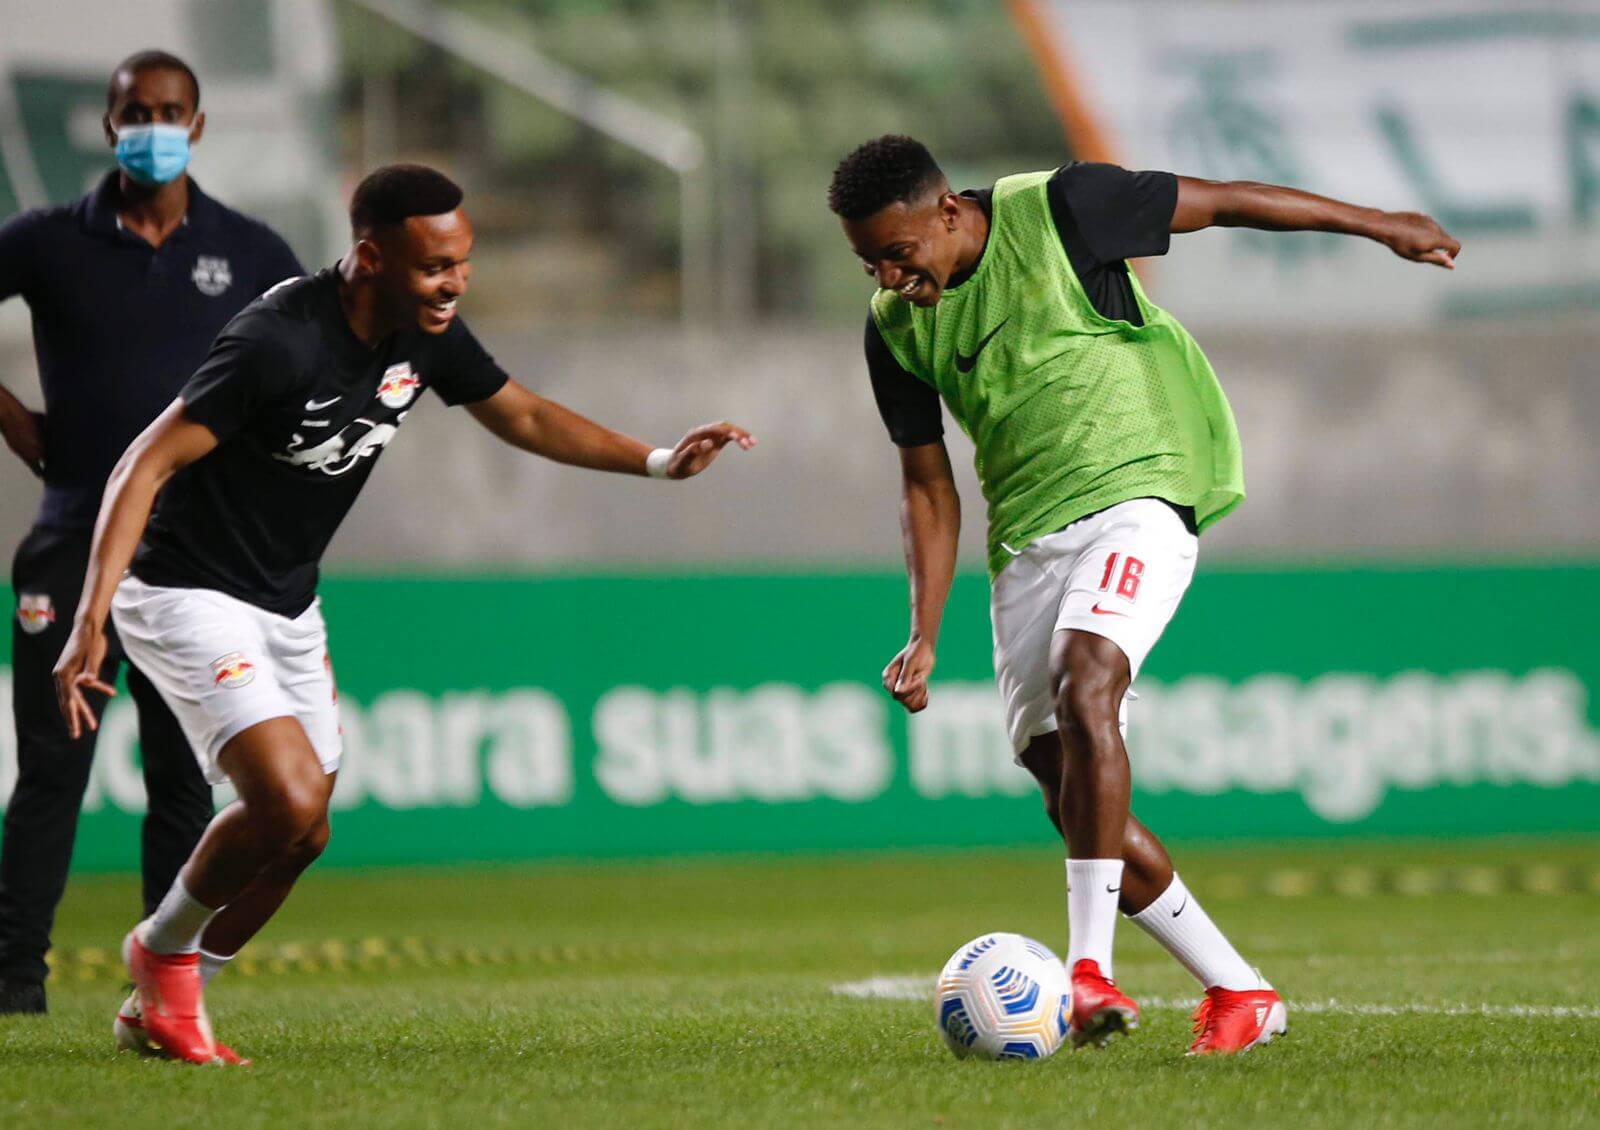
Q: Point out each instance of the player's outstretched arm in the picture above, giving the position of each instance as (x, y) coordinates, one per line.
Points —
(1270, 207)
(526, 420)
(930, 524)
(171, 442)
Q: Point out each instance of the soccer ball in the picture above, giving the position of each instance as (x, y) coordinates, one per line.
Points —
(1003, 996)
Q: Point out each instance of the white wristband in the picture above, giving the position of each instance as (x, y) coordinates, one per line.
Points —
(655, 464)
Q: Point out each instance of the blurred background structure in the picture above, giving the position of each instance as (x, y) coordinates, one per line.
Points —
(647, 178)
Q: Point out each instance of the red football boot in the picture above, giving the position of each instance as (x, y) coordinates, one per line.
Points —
(130, 1035)
(173, 1012)
(1232, 1021)
(1100, 1010)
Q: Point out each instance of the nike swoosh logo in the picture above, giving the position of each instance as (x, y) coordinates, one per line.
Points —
(1179, 911)
(1110, 890)
(1098, 611)
(318, 405)
(965, 361)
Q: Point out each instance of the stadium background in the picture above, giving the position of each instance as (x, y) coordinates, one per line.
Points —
(1394, 635)
(627, 832)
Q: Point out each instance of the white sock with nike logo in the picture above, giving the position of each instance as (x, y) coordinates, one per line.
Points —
(1186, 931)
(1093, 887)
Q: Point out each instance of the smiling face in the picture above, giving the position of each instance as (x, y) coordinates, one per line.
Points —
(421, 268)
(912, 247)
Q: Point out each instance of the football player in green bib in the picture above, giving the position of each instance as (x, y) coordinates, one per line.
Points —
(1104, 448)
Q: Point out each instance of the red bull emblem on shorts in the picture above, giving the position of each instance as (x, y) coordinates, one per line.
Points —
(398, 386)
(232, 670)
(35, 612)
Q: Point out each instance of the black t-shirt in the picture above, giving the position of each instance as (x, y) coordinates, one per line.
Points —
(302, 409)
(119, 325)
(1104, 215)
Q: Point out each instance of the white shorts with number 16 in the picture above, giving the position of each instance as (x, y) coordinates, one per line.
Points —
(1118, 574)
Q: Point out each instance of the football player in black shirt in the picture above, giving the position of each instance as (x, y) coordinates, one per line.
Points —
(257, 462)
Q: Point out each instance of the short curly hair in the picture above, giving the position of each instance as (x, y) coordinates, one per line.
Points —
(880, 172)
(389, 196)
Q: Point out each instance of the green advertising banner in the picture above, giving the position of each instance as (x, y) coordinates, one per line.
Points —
(549, 716)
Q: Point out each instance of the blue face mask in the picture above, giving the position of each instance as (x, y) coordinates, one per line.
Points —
(153, 154)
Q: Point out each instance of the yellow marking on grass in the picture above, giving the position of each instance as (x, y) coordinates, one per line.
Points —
(374, 954)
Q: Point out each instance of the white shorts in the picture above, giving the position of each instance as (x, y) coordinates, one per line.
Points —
(223, 665)
(1119, 574)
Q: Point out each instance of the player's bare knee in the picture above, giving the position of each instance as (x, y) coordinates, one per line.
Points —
(1091, 679)
(311, 846)
(1086, 708)
(295, 809)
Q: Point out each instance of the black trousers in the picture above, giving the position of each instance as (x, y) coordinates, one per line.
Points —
(41, 820)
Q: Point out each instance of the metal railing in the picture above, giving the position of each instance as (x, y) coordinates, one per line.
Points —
(662, 139)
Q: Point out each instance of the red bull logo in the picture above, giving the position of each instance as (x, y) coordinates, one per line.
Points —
(232, 670)
(399, 385)
(35, 612)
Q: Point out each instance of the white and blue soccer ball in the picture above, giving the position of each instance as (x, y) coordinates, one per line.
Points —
(1003, 996)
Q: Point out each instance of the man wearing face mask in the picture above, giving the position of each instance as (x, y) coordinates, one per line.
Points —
(127, 286)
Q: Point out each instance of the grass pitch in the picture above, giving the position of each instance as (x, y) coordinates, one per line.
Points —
(1427, 986)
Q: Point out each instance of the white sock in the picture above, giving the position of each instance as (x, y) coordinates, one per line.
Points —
(1186, 931)
(177, 924)
(1093, 887)
(211, 964)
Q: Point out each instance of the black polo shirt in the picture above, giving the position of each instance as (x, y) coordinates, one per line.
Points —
(119, 326)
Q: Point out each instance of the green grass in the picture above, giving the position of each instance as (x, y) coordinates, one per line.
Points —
(700, 994)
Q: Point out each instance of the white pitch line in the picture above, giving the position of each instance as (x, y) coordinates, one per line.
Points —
(915, 988)
(909, 988)
(1349, 1008)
